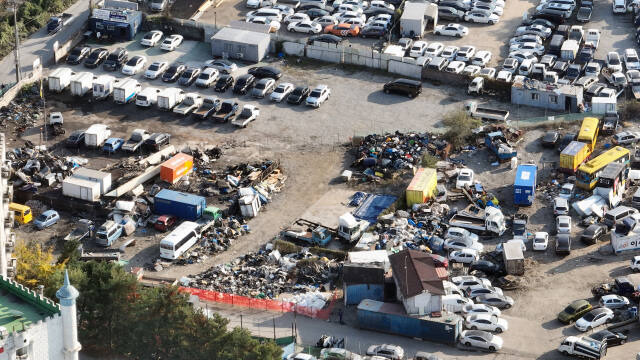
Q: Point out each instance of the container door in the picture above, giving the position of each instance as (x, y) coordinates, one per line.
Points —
(84, 193)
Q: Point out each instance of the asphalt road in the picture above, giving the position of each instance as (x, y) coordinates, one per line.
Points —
(40, 44)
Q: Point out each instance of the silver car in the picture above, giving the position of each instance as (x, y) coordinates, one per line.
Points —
(263, 87)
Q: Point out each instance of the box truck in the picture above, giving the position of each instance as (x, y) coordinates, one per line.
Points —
(81, 83)
(81, 189)
(147, 97)
(59, 79)
(182, 205)
(96, 134)
(126, 91)
(169, 98)
(103, 86)
(524, 186)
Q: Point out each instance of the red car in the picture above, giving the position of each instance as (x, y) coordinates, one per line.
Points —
(440, 261)
(165, 222)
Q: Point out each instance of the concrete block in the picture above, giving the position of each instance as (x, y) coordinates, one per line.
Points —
(292, 48)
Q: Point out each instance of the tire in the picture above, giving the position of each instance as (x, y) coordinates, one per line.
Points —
(474, 328)
(492, 348)
(499, 330)
(386, 91)
(589, 328)
(622, 342)
(437, 33)
(458, 36)
(508, 306)
(492, 22)
(468, 343)
(564, 352)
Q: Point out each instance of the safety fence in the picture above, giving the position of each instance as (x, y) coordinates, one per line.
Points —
(263, 304)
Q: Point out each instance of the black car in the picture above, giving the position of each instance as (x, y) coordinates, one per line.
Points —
(173, 72)
(156, 141)
(560, 68)
(611, 338)
(586, 54)
(374, 31)
(449, 13)
(573, 72)
(550, 139)
(375, 11)
(566, 139)
(594, 90)
(223, 83)
(584, 14)
(116, 59)
(189, 76)
(78, 54)
(328, 38)
(548, 60)
(410, 88)
(458, 5)
(75, 140)
(316, 13)
(544, 22)
(593, 234)
(244, 84)
(487, 267)
(551, 15)
(265, 72)
(96, 58)
(563, 244)
(309, 6)
(298, 95)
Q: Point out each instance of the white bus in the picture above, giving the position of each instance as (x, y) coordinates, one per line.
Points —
(179, 240)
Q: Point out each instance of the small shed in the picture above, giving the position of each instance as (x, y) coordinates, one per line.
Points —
(513, 258)
(249, 44)
(101, 177)
(417, 17)
(557, 97)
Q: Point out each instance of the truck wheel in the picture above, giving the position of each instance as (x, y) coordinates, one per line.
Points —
(474, 328)
(468, 344)
(386, 91)
(499, 330)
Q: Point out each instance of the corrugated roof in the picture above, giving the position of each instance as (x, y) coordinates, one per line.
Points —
(240, 36)
(91, 173)
(415, 272)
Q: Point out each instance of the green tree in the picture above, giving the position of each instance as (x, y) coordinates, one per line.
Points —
(459, 125)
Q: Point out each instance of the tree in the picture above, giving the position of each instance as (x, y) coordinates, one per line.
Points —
(36, 265)
(459, 125)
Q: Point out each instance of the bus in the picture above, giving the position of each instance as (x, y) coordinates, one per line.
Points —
(588, 173)
(589, 132)
(612, 183)
(179, 240)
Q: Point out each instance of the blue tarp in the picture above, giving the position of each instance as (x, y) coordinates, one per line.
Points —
(372, 206)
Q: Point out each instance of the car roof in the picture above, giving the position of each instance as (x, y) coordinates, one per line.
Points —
(49, 212)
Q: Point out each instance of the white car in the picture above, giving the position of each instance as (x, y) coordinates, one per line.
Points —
(156, 69)
(284, 10)
(613, 61)
(297, 17)
(486, 322)
(343, 17)
(456, 30)
(504, 75)
(465, 256)
(614, 301)
(563, 224)
(271, 14)
(490, 8)
(450, 52)
(354, 21)
(457, 233)
(224, 66)
(500, 3)
(471, 309)
(471, 70)
(253, 4)
(466, 53)
(466, 282)
(386, 351)
(134, 65)
(488, 72)
(171, 42)
(536, 29)
(479, 16)
(631, 61)
(560, 206)
(540, 241)
(511, 65)
(465, 178)
(480, 291)
(455, 67)
(274, 25)
(527, 38)
(326, 20)
(482, 58)
(318, 96)
(453, 244)
(207, 77)
(349, 7)
(281, 92)
(381, 5)
(633, 77)
(530, 47)
(594, 318)
(306, 27)
(418, 49)
(152, 38)
(481, 339)
(386, 18)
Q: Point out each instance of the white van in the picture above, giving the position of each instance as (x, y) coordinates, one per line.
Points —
(619, 6)
(454, 303)
(525, 67)
(179, 240)
(147, 97)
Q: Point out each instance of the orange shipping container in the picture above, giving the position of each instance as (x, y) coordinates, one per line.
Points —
(178, 166)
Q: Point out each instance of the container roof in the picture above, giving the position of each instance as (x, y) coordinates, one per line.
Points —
(240, 36)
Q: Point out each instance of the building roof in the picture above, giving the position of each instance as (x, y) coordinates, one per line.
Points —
(20, 306)
(415, 272)
(512, 251)
(85, 172)
(536, 85)
(240, 36)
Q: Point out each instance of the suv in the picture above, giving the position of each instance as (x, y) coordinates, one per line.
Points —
(116, 59)
(156, 141)
(626, 137)
(411, 88)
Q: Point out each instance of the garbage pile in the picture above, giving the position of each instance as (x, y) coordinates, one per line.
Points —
(216, 239)
(23, 112)
(35, 166)
(264, 177)
(383, 156)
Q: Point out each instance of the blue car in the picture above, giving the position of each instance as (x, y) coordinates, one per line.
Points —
(112, 145)
(46, 219)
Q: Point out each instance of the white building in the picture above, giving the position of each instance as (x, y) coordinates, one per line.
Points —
(33, 327)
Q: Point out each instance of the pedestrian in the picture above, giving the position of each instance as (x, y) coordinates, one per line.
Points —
(340, 316)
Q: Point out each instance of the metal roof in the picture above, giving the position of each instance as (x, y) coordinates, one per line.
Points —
(240, 36)
(91, 173)
(415, 272)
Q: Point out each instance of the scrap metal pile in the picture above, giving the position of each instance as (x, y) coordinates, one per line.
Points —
(216, 239)
(264, 177)
(23, 112)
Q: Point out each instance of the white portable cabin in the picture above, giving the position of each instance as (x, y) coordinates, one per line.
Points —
(569, 50)
(103, 86)
(81, 189)
(102, 178)
(81, 83)
(59, 79)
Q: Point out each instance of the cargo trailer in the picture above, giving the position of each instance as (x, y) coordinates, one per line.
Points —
(573, 156)
(81, 189)
(524, 186)
(59, 79)
(103, 86)
(81, 83)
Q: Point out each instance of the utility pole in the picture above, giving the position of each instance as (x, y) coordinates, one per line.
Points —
(16, 51)
(3, 215)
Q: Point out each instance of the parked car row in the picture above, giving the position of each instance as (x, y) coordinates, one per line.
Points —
(473, 11)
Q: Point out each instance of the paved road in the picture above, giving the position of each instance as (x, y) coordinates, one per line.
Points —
(40, 44)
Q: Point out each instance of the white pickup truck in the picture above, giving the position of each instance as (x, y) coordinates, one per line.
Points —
(247, 115)
(138, 136)
(191, 102)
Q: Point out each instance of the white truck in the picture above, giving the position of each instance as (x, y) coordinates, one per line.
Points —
(138, 136)
(635, 263)
(248, 114)
(169, 98)
(350, 228)
(81, 83)
(96, 135)
(126, 91)
(490, 221)
(103, 86)
(147, 97)
(625, 237)
(592, 38)
(485, 113)
(190, 102)
(584, 347)
(59, 79)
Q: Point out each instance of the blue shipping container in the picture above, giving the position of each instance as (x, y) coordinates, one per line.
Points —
(392, 319)
(524, 187)
(355, 293)
(182, 205)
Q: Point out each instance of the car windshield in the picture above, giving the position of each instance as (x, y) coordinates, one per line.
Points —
(112, 57)
(614, 61)
(154, 67)
(589, 316)
(42, 217)
(132, 62)
(260, 85)
(315, 93)
(279, 89)
(148, 36)
(570, 310)
(76, 51)
(464, 177)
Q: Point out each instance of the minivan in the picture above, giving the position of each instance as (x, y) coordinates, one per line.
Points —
(438, 63)
(617, 214)
(555, 45)
(454, 303)
(560, 206)
(411, 88)
(108, 233)
(21, 212)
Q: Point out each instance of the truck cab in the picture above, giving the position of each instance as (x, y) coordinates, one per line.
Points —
(476, 86)
(349, 228)
(108, 233)
(583, 347)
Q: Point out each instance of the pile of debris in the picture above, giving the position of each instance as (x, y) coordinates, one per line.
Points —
(216, 239)
(264, 177)
(23, 112)
(35, 166)
(382, 156)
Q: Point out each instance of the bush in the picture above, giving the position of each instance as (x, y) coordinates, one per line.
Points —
(429, 161)
(459, 125)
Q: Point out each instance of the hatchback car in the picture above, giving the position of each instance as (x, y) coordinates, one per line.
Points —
(407, 87)
(481, 339)
(156, 141)
(465, 256)
(46, 219)
(574, 311)
(626, 138)
(540, 241)
(614, 301)
(594, 318)
(563, 224)
(165, 222)
(593, 234)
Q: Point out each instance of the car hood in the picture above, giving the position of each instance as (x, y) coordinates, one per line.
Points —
(497, 340)
(564, 317)
(581, 323)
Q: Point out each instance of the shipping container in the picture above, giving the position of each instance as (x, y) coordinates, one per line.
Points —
(182, 205)
(513, 258)
(81, 189)
(96, 134)
(81, 83)
(59, 79)
(524, 186)
(422, 187)
(355, 293)
(102, 178)
(175, 168)
(392, 319)
(573, 155)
